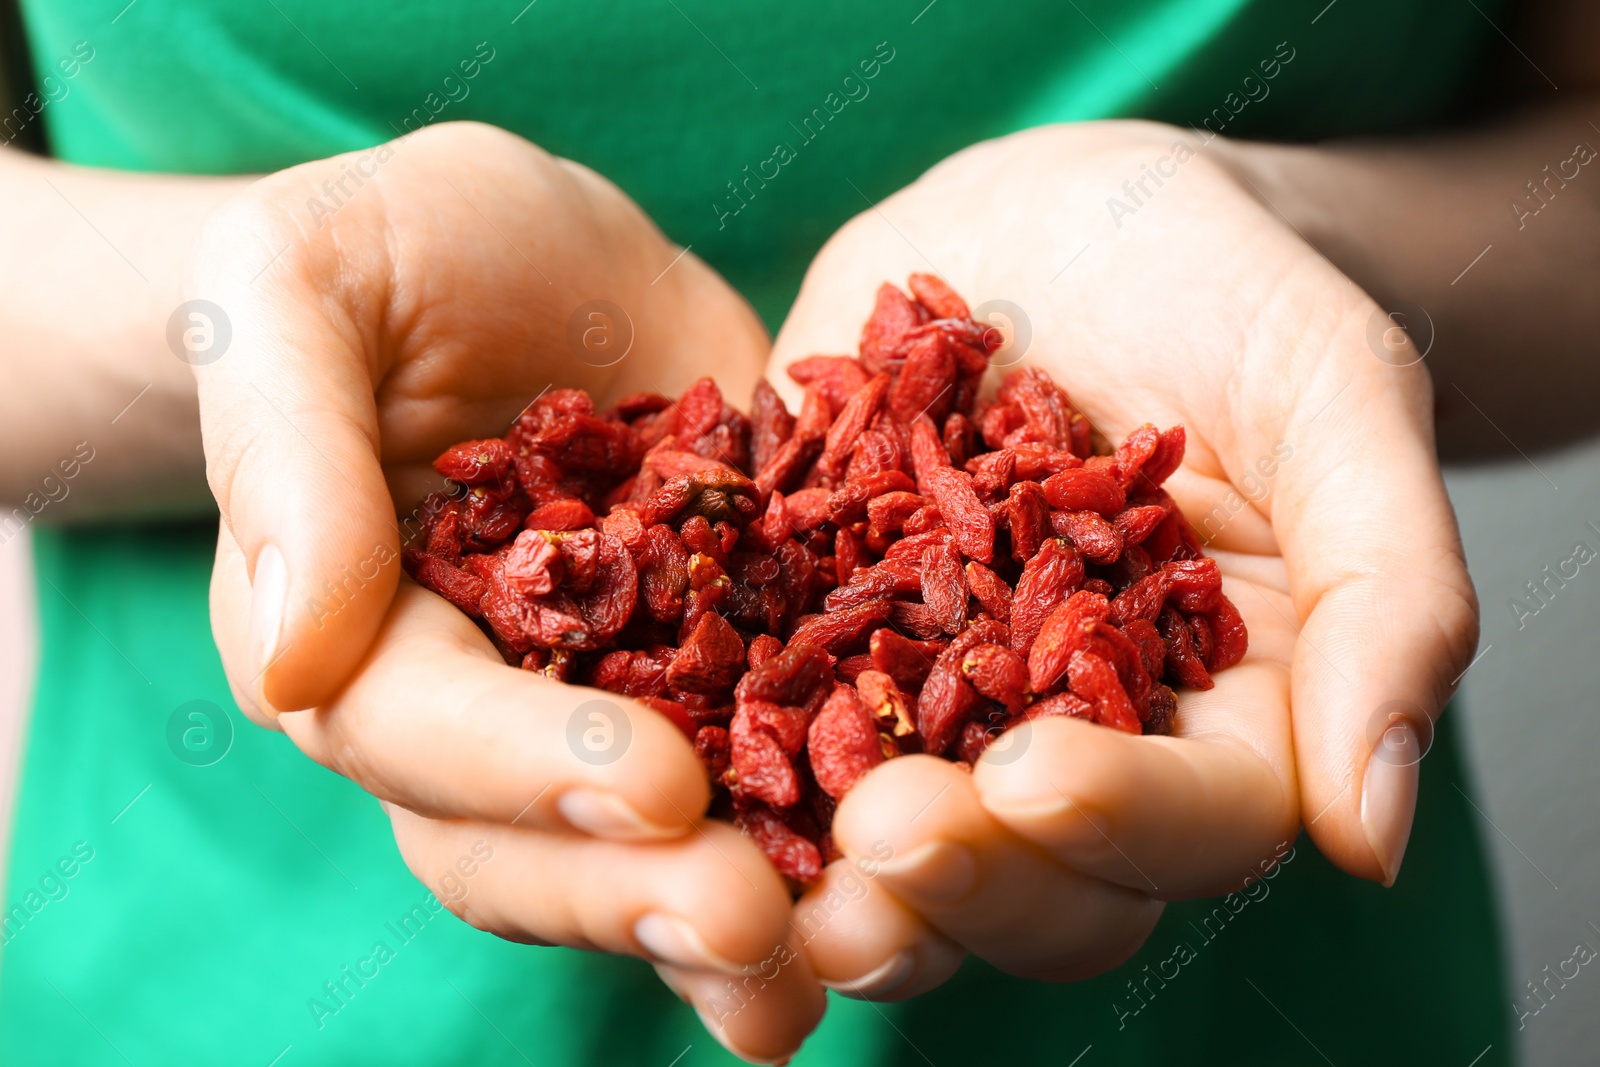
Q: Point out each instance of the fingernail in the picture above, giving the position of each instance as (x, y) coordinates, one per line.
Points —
(880, 981)
(718, 1031)
(1389, 796)
(603, 814)
(671, 940)
(939, 871)
(269, 594)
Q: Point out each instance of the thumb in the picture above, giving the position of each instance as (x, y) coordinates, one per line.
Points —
(289, 423)
(1378, 575)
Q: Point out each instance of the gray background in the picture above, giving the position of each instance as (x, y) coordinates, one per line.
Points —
(1529, 707)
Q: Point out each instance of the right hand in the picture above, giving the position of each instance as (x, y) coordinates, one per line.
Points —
(425, 303)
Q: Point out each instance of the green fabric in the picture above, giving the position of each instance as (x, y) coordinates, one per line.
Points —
(219, 899)
(639, 93)
(161, 911)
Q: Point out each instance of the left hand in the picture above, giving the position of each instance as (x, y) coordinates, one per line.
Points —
(1052, 859)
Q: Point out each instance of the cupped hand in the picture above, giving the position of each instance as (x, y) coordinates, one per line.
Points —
(379, 307)
(551, 814)
(1140, 268)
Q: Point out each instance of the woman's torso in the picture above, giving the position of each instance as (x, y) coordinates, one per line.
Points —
(216, 909)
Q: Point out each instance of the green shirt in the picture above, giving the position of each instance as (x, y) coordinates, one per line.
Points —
(187, 889)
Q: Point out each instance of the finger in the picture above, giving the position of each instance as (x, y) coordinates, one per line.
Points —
(981, 885)
(230, 616)
(865, 944)
(436, 722)
(762, 1014)
(1194, 814)
(706, 901)
(1390, 618)
(290, 429)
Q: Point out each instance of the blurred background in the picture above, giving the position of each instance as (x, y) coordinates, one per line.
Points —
(1529, 708)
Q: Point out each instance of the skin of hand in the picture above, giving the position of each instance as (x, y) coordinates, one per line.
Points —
(1311, 474)
(429, 307)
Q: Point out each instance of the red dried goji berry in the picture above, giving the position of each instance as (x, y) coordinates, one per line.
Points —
(1096, 538)
(715, 749)
(1028, 519)
(905, 660)
(885, 701)
(1083, 489)
(1183, 660)
(925, 383)
(1096, 681)
(709, 661)
(1195, 584)
(874, 453)
(793, 855)
(934, 294)
(1048, 579)
(893, 316)
(462, 589)
(1168, 456)
(970, 522)
(999, 674)
(842, 629)
(993, 594)
(944, 585)
(1228, 634)
(1064, 634)
(478, 462)
(561, 515)
(843, 743)
(958, 437)
(852, 422)
(835, 378)
(864, 527)
(770, 424)
(1136, 523)
(947, 698)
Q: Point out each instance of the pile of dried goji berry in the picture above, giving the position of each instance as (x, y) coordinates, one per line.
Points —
(901, 567)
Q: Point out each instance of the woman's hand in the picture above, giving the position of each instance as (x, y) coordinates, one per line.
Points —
(1156, 287)
(414, 296)
(384, 305)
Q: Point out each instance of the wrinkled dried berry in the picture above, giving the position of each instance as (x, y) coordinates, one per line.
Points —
(897, 568)
(843, 743)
